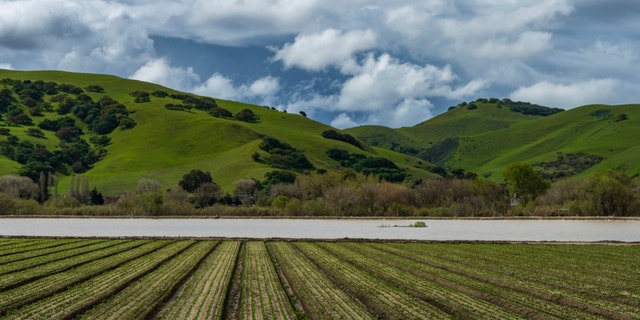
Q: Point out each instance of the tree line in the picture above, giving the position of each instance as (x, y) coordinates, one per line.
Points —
(339, 193)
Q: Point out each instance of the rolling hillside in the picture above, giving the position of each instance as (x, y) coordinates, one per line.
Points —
(488, 137)
(165, 144)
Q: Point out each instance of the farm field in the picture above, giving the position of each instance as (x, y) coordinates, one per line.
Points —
(43, 278)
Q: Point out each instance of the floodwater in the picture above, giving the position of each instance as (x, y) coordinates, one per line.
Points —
(463, 230)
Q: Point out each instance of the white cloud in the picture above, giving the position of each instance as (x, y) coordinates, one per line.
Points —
(381, 82)
(528, 43)
(330, 47)
(409, 112)
(266, 86)
(6, 66)
(568, 95)
(383, 90)
(159, 71)
(233, 22)
(217, 86)
(388, 55)
(343, 121)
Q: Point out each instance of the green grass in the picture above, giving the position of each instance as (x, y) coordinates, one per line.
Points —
(491, 138)
(166, 144)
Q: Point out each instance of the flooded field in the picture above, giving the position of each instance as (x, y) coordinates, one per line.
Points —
(464, 230)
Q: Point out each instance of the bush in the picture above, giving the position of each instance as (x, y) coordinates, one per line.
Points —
(220, 113)
(192, 180)
(246, 115)
(280, 202)
(17, 206)
(159, 94)
(344, 137)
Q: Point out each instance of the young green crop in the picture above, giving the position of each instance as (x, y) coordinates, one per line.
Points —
(320, 297)
(263, 295)
(143, 296)
(202, 296)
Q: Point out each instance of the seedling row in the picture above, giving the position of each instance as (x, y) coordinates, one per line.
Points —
(233, 279)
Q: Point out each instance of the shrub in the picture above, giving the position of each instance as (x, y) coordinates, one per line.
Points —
(159, 94)
(621, 117)
(280, 202)
(94, 88)
(246, 115)
(207, 194)
(18, 187)
(344, 137)
(220, 112)
(35, 133)
(192, 180)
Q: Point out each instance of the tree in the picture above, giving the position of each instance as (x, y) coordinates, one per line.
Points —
(68, 134)
(278, 176)
(220, 112)
(207, 194)
(524, 182)
(96, 197)
(146, 185)
(18, 187)
(247, 191)
(246, 115)
(192, 180)
(34, 132)
(613, 194)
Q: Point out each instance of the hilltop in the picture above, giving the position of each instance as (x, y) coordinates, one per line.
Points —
(123, 130)
(486, 135)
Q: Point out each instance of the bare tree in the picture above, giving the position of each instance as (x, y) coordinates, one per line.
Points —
(18, 187)
(247, 191)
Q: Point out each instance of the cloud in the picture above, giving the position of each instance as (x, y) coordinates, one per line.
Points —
(159, 71)
(343, 121)
(31, 24)
(406, 113)
(231, 22)
(219, 86)
(6, 66)
(376, 61)
(526, 44)
(568, 95)
(383, 90)
(330, 47)
(266, 86)
(381, 82)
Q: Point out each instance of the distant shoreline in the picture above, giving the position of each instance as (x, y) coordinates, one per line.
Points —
(598, 218)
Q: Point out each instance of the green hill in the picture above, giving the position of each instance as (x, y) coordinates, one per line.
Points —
(487, 137)
(154, 141)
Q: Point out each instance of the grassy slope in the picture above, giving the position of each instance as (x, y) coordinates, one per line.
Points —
(542, 139)
(461, 122)
(457, 122)
(492, 137)
(167, 144)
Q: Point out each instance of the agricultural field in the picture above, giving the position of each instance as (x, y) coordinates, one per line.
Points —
(236, 279)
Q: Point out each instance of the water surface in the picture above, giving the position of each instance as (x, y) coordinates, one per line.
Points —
(464, 230)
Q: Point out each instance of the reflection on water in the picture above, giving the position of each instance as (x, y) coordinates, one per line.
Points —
(487, 230)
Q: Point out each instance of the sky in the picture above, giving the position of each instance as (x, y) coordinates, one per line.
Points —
(344, 63)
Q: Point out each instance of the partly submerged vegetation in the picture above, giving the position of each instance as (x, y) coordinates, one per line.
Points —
(221, 279)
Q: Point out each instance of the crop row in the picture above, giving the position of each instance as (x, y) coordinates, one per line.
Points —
(322, 298)
(202, 296)
(233, 279)
(557, 285)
